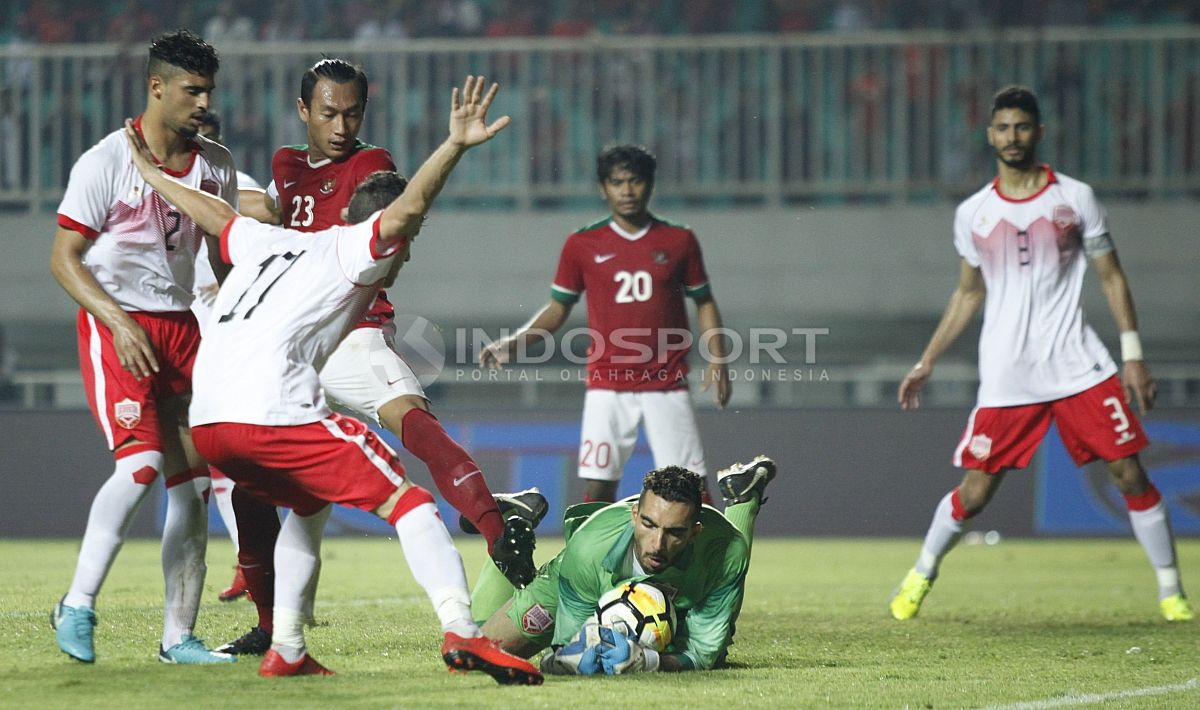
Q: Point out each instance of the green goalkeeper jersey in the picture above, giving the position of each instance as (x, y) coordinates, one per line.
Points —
(705, 582)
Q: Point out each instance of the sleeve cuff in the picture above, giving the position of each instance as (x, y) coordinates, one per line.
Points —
(225, 256)
(562, 295)
(704, 290)
(378, 253)
(67, 223)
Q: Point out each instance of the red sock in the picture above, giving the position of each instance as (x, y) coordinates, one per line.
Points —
(1147, 500)
(258, 527)
(454, 472)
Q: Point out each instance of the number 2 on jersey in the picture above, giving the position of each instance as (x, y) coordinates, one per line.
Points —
(269, 271)
(302, 210)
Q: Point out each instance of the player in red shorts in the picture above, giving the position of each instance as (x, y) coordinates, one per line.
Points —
(1025, 240)
(127, 256)
(281, 312)
(310, 189)
(636, 270)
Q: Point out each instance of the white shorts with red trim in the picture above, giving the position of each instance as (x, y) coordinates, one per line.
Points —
(304, 467)
(610, 429)
(125, 407)
(364, 373)
(1094, 424)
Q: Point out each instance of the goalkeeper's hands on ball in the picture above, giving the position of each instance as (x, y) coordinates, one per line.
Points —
(621, 653)
(579, 657)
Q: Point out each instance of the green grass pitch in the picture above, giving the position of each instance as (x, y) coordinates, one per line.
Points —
(1029, 624)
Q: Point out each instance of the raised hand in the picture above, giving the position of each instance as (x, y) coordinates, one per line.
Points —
(468, 113)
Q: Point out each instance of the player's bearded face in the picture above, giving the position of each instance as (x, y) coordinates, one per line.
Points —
(1014, 135)
(334, 119)
(627, 194)
(185, 100)
(661, 531)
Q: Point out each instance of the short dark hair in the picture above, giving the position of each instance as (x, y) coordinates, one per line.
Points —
(677, 485)
(337, 70)
(183, 50)
(1018, 97)
(212, 121)
(373, 194)
(634, 158)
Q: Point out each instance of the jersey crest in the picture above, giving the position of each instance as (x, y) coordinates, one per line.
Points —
(127, 413)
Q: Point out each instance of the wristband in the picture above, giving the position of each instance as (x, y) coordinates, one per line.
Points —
(1131, 346)
(653, 660)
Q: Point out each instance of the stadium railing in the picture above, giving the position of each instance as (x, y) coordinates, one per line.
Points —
(758, 119)
(870, 385)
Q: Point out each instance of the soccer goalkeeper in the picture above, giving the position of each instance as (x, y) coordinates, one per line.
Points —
(694, 553)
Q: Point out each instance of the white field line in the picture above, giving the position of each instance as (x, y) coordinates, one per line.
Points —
(1090, 698)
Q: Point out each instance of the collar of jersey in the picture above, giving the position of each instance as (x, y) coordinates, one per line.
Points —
(633, 237)
(1050, 180)
(193, 148)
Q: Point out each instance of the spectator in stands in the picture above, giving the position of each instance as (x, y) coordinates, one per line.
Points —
(228, 26)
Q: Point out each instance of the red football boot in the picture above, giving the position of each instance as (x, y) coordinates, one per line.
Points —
(273, 666)
(237, 588)
(483, 654)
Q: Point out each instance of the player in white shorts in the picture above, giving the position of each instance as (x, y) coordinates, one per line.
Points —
(636, 269)
(127, 255)
(289, 299)
(1025, 240)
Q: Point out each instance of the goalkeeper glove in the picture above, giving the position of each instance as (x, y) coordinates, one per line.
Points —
(579, 657)
(621, 654)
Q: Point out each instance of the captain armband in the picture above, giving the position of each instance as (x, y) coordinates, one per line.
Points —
(1098, 245)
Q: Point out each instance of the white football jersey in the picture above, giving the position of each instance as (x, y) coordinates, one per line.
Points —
(289, 299)
(1036, 345)
(143, 250)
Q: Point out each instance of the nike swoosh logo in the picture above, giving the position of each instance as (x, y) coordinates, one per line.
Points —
(462, 479)
(601, 259)
(392, 382)
(287, 184)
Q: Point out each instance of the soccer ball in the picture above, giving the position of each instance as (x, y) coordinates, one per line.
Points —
(639, 609)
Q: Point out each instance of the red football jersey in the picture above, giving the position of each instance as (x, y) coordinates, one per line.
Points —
(635, 285)
(311, 196)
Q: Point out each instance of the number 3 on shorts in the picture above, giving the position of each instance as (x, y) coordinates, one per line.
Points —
(1122, 420)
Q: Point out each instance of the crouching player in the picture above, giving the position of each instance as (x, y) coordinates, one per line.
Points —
(665, 536)
(288, 300)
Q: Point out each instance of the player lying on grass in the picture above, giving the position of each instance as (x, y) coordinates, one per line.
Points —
(694, 553)
(286, 303)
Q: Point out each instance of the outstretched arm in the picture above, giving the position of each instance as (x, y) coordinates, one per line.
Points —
(209, 212)
(1140, 386)
(964, 303)
(468, 128)
(549, 319)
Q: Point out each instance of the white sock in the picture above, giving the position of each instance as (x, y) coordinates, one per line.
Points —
(1152, 528)
(185, 537)
(112, 511)
(298, 564)
(437, 567)
(222, 493)
(287, 638)
(944, 533)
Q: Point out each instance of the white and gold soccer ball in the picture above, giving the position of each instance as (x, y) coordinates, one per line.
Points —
(639, 609)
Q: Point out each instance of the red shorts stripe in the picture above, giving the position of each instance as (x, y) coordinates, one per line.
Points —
(1094, 424)
(125, 407)
(304, 467)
